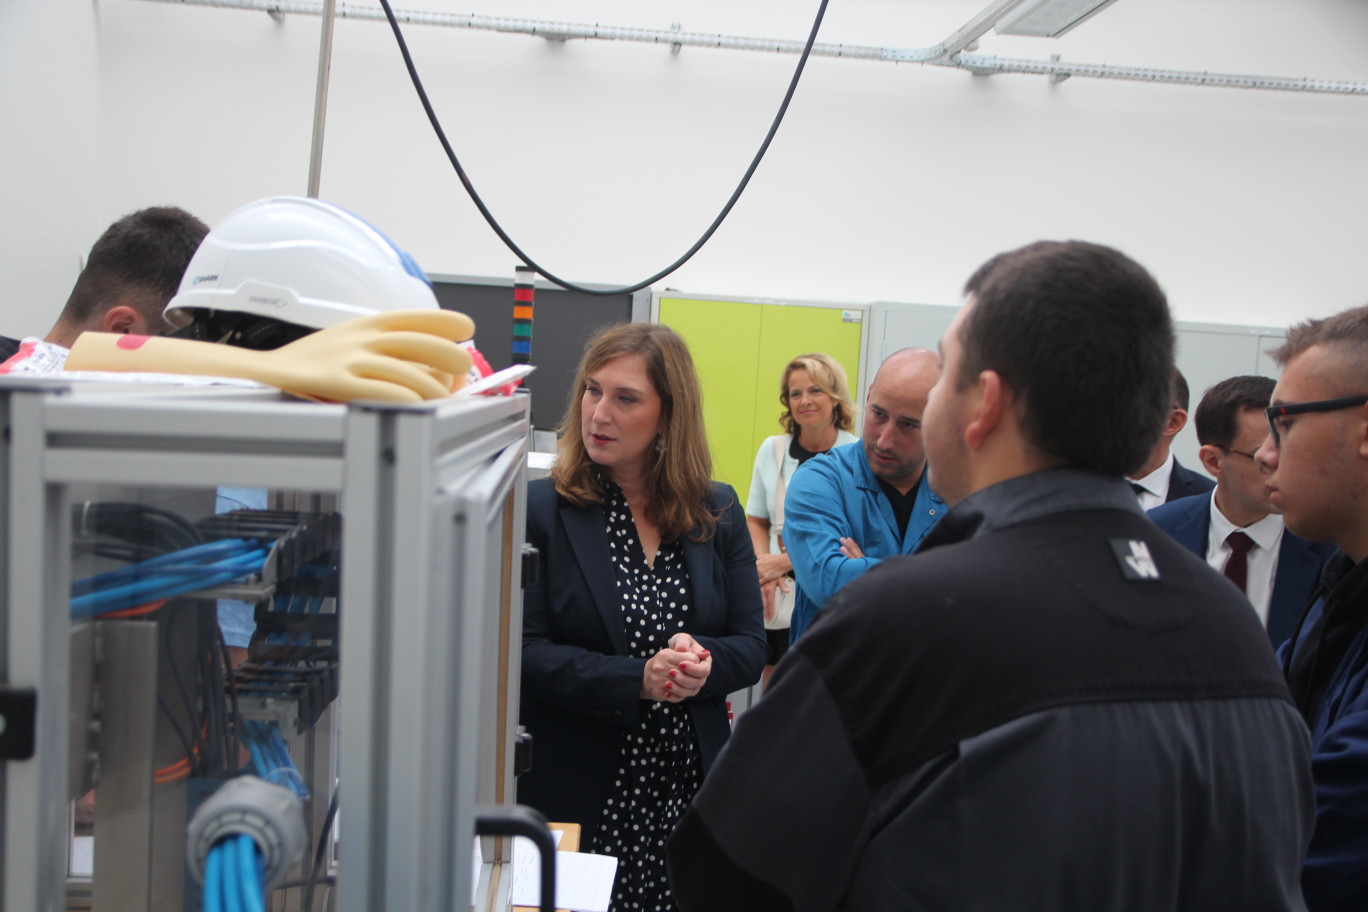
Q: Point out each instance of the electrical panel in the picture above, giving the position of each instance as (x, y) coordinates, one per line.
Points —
(230, 621)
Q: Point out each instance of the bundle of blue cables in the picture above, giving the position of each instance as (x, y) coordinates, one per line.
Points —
(294, 604)
(235, 876)
(175, 573)
(270, 756)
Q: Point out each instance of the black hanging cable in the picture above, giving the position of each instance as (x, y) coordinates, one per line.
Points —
(210, 682)
(508, 241)
(199, 755)
(180, 733)
(321, 854)
(235, 712)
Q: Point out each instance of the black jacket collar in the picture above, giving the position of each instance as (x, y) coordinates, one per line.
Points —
(1029, 497)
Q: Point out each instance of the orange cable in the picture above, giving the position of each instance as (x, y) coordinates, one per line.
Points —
(136, 611)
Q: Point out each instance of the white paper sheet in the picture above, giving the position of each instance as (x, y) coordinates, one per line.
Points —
(495, 380)
(584, 883)
(82, 856)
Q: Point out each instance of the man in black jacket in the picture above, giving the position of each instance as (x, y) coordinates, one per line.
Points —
(1027, 713)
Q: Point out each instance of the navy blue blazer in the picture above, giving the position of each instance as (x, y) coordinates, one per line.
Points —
(1183, 482)
(580, 687)
(1300, 561)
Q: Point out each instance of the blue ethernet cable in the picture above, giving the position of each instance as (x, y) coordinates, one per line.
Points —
(213, 881)
(258, 756)
(115, 583)
(147, 586)
(232, 882)
(237, 824)
(277, 742)
(184, 556)
(271, 757)
(167, 583)
(293, 780)
(253, 890)
(243, 556)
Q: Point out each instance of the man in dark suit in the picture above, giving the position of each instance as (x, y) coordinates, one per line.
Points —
(1235, 528)
(1163, 478)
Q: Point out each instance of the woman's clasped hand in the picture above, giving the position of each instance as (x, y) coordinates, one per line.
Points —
(676, 672)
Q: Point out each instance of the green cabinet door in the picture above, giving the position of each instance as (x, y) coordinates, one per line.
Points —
(740, 349)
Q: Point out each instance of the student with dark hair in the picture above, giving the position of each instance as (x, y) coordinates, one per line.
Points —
(1317, 457)
(1220, 415)
(1234, 528)
(133, 270)
(1163, 479)
(1027, 713)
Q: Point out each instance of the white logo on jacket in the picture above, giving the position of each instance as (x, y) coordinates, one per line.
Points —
(1141, 562)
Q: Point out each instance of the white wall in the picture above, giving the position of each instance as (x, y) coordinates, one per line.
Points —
(51, 209)
(605, 160)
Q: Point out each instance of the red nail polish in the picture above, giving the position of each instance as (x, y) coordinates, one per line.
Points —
(667, 685)
(672, 672)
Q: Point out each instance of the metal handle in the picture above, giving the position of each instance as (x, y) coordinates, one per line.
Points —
(521, 820)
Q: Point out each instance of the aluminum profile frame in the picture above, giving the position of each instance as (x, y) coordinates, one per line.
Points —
(406, 473)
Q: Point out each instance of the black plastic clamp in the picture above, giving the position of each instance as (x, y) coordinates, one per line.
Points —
(18, 716)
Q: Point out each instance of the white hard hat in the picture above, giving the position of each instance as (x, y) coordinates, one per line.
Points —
(299, 260)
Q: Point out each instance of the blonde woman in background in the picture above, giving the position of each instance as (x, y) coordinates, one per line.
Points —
(818, 415)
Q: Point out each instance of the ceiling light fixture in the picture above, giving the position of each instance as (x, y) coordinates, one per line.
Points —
(1048, 18)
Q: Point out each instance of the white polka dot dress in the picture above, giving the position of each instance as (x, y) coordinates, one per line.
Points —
(659, 768)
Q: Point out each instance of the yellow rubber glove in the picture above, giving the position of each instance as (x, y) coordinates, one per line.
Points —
(396, 356)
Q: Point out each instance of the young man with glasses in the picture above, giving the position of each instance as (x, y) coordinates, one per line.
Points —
(1234, 528)
(1317, 458)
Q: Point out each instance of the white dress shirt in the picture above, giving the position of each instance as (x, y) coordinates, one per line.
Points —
(1267, 535)
(1155, 484)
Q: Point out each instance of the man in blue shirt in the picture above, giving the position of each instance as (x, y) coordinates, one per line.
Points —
(856, 505)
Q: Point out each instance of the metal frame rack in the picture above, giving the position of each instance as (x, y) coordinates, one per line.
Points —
(433, 506)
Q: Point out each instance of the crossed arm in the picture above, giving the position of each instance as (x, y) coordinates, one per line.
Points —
(818, 535)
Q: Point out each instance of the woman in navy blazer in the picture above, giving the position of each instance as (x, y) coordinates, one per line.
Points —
(647, 611)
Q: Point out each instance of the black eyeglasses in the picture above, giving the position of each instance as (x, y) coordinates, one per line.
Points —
(1274, 412)
(1233, 450)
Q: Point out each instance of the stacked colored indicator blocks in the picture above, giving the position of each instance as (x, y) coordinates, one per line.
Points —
(522, 315)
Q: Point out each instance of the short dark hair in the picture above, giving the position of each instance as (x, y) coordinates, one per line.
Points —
(1218, 414)
(1346, 332)
(1082, 334)
(139, 260)
(1180, 390)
